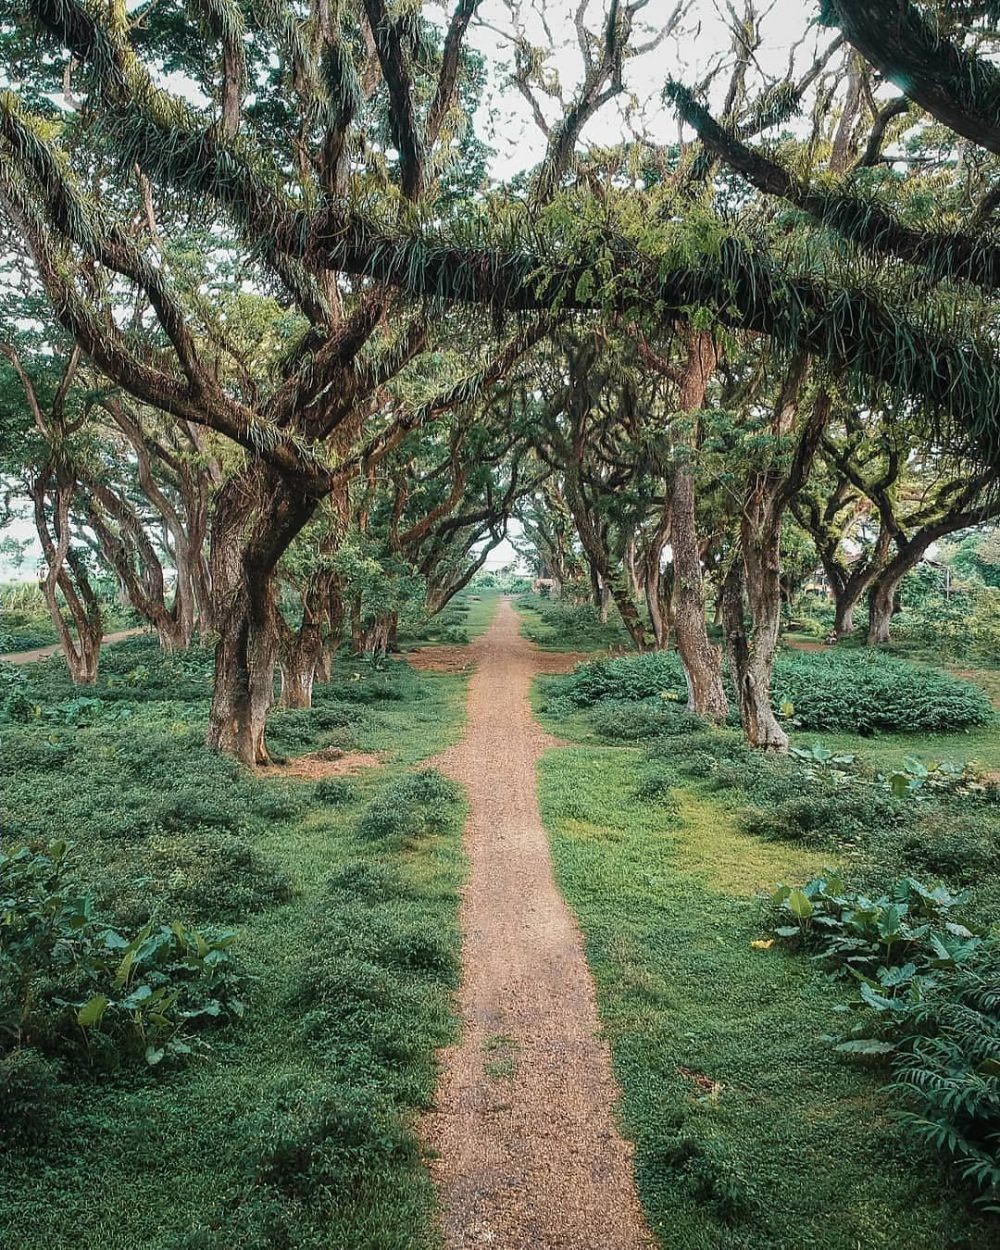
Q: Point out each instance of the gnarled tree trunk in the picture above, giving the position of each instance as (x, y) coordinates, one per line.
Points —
(257, 517)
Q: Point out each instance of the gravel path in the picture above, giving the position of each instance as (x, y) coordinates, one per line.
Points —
(528, 1156)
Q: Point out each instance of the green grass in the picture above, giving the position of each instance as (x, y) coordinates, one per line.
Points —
(297, 1129)
(558, 625)
(750, 1131)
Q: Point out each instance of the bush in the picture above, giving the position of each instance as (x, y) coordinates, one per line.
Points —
(626, 678)
(860, 692)
(337, 791)
(413, 806)
(570, 626)
(930, 998)
(870, 692)
(631, 722)
(342, 1142)
(946, 1070)
(204, 877)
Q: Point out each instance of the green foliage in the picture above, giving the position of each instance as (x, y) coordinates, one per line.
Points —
(30, 1093)
(620, 721)
(866, 693)
(562, 625)
(165, 828)
(929, 994)
(626, 678)
(946, 1070)
(749, 1131)
(912, 927)
(962, 625)
(72, 983)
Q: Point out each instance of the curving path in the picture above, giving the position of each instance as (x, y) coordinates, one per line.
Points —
(528, 1156)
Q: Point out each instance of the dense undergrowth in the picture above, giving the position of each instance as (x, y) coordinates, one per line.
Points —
(752, 1128)
(290, 1122)
(863, 693)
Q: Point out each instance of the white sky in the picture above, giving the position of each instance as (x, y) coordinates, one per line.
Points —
(701, 39)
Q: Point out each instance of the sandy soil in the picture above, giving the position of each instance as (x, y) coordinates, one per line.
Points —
(327, 762)
(528, 1156)
(443, 659)
(43, 653)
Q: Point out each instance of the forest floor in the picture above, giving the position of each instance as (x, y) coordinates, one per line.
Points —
(527, 1153)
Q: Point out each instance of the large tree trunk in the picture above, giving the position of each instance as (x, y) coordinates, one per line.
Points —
(257, 517)
(843, 614)
(881, 607)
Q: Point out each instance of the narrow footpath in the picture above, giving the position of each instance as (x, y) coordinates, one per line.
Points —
(527, 1152)
(42, 653)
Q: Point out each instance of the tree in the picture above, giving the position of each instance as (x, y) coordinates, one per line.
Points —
(310, 409)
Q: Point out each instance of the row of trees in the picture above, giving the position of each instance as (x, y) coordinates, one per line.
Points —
(280, 357)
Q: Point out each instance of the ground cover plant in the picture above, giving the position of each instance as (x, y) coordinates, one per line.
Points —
(664, 826)
(335, 951)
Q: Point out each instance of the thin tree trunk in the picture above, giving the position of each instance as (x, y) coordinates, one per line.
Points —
(701, 660)
(300, 657)
(752, 650)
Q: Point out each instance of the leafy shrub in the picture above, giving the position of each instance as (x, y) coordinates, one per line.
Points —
(631, 722)
(946, 1070)
(626, 678)
(205, 877)
(930, 997)
(70, 983)
(865, 692)
(336, 791)
(962, 846)
(910, 925)
(369, 882)
(572, 626)
(870, 692)
(342, 1142)
(819, 819)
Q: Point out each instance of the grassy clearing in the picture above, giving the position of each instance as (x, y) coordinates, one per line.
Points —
(466, 617)
(297, 1129)
(750, 1131)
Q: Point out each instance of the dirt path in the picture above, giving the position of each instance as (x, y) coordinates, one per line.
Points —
(528, 1155)
(43, 653)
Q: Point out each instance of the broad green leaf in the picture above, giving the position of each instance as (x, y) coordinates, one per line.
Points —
(91, 1012)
